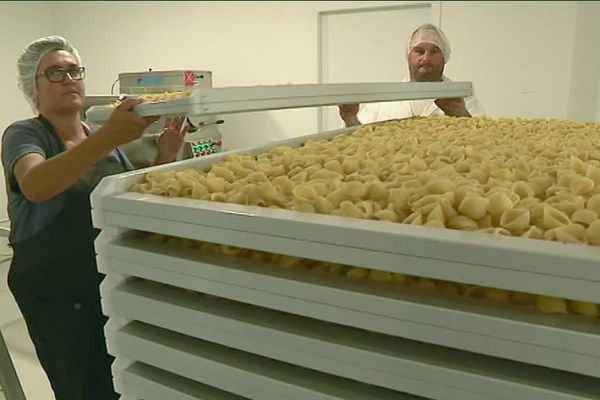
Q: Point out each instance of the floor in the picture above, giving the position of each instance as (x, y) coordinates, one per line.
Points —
(32, 377)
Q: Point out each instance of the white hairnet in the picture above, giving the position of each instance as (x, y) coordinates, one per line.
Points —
(29, 61)
(429, 33)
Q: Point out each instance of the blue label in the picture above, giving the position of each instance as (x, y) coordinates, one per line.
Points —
(151, 81)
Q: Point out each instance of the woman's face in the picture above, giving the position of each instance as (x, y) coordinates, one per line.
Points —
(62, 97)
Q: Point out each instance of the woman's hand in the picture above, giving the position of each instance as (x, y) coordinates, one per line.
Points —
(124, 124)
(170, 141)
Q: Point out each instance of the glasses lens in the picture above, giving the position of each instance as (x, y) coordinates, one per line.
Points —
(55, 74)
(77, 73)
(59, 74)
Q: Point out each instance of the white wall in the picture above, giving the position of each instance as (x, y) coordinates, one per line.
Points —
(516, 53)
(584, 99)
(20, 23)
(524, 57)
(243, 43)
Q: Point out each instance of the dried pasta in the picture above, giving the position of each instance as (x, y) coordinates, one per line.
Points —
(534, 179)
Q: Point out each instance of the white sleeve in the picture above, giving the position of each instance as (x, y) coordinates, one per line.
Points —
(474, 107)
(367, 113)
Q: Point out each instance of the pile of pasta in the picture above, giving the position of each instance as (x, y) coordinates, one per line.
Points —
(157, 97)
(537, 179)
(545, 304)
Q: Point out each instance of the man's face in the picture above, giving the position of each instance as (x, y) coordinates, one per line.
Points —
(426, 63)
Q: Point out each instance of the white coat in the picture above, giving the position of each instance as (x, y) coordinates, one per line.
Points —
(374, 112)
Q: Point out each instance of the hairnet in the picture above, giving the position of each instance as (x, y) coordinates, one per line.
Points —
(29, 61)
(429, 33)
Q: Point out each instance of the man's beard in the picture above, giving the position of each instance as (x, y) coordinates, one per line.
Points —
(426, 76)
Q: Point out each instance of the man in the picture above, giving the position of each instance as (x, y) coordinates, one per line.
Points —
(427, 53)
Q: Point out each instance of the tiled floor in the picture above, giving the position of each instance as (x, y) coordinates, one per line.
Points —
(32, 377)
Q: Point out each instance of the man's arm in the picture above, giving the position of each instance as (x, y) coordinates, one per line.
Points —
(453, 107)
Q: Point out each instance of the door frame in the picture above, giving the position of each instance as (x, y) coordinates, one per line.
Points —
(436, 10)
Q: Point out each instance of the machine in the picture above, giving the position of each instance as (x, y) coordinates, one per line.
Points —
(203, 136)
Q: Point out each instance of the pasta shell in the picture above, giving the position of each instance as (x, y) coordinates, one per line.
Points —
(593, 173)
(415, 219)
(523, 190)
(571, 233)
(474, 207)
(305, 193)
(499, 295)
(499, 203)
(584, 308)
(323, 205)
(355, 189)
(349, 209)
(522, 298)
(440, 186)
(377, 191)
(357, 273)
(581, 185)
(515, 219)
(435, 224)
(553, 218)
(584, 217)
(223, 172)
(399, 279)
(380, 276)
(551, 305)
(593, 233)
(462, 222)
(387, 214)
(593, 203)
(533, 233)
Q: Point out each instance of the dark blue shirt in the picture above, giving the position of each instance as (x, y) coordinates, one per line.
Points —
(25, 137)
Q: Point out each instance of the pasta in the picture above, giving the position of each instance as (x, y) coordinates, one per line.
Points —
(533, 179)
(545, 304)
(516, 219)
(551, 305)
(156, 97)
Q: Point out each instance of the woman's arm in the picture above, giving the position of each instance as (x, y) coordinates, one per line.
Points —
(170, 141)
(42, 179)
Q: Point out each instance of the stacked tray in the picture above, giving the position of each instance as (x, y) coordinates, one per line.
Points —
(191, 323)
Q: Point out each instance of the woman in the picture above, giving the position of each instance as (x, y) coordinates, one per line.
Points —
(51, 165)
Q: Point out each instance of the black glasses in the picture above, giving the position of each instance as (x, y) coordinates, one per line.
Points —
(57, 74)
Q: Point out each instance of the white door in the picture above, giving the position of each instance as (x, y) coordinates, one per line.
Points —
(367, 45)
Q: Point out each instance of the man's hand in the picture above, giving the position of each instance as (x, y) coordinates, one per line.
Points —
(453, 107)
(348, 113)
